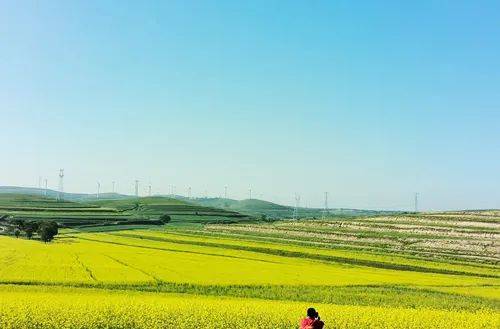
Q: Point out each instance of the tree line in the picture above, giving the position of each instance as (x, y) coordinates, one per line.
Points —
(46, 230)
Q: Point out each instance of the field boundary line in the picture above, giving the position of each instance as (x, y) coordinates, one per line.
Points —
(88, 270)
(310, 256)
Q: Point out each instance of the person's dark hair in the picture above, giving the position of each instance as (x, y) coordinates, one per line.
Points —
(311, 312)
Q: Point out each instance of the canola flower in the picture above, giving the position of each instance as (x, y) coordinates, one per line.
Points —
(52, 273)
(53, 307)
(107, 258)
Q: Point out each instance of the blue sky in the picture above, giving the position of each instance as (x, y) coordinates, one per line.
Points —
(369, 100)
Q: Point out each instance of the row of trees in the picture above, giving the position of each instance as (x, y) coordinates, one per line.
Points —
(47, 230)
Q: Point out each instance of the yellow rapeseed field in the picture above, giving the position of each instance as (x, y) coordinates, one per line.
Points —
(52, 307)
(104, 280)
(105, 258)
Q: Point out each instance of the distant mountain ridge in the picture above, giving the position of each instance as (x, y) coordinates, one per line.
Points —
(252, 207)
(66, 196)
(256, 207)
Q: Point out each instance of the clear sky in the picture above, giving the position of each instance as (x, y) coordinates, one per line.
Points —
(368, 100)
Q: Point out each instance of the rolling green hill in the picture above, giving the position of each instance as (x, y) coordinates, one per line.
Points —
(130, 211)
(177, 209)
(250, 207)
(258, 208)
(54, 194)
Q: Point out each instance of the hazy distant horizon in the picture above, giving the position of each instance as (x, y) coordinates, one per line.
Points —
(144, 193)
(371, 102)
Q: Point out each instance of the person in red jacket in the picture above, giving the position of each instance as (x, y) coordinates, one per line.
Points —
(312, 321)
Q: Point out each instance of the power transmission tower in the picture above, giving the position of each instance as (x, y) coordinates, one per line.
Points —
(39, 184)
(136, 188)
(61, 185)
(98, 189)
(416, 202)
(189, 192)
(45, 191)
(113, 183)
(250, 193)
(149, 189)
(296, 208)
(172, 191)
(325, 211)
(225, 192)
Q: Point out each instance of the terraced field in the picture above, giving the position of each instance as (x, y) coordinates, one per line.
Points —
(179, 210)
(131, 211)
(461, 236)
(258, 275)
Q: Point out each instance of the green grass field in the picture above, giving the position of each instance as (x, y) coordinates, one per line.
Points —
(111, 212)
(405, 271)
